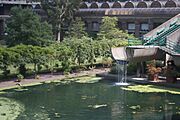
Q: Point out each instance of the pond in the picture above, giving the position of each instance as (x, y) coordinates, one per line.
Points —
(95, 101)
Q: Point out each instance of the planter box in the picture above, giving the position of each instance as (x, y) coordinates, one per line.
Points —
(171, 79)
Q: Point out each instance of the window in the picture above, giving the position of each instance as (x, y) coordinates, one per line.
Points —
(131, 26)
(95, 26)
(144, 26)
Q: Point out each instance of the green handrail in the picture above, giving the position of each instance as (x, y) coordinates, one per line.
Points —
(174, 46)
(163, 34)
(132, 42)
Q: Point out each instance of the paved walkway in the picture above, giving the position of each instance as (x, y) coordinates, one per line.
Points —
(50, 77)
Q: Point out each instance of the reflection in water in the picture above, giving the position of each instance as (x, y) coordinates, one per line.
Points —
(118, 107)
(99, 101)
(169, 107)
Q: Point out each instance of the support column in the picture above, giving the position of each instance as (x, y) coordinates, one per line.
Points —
(150, 25)
(143, 65)
(168, 57)
(138, 72)
(124, 25)
(140, 69)
(137, 28)
(89, 26)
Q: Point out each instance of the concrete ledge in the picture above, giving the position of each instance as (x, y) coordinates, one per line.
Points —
(143, 81)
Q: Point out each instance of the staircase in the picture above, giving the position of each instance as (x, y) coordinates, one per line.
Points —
(160, 38)
(171, 48)
(159, 35)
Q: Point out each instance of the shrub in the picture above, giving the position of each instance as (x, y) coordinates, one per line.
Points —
(113, 70)
(66, 66)
(107, 62)
(20, 77)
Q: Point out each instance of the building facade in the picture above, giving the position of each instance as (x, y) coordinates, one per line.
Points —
(136, 16)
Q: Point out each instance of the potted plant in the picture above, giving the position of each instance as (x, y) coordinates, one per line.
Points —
(171, 75)
(153, 72)
(170, 72)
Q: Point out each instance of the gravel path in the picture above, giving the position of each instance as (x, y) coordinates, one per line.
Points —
(50, 77)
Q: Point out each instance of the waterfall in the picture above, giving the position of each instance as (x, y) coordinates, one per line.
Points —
(121, 67)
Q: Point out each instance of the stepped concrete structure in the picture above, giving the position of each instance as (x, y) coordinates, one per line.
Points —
(162, 43)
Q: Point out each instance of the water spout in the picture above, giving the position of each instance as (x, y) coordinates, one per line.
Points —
(121, 67)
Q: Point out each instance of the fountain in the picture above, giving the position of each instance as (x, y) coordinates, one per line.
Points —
(121, 67)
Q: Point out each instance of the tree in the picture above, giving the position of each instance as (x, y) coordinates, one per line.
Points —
(25, 27)
(31, 55)
(109, 30)
(7, 58)
(63, 53)
(60, 13)
(77, 29)
(80, 48)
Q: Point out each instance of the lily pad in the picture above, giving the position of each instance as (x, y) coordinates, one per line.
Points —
(135, 107)
(151, 89)
(87, 79)
(20, 89)
(2, 92)
(10, 109)
(97, 106)
(84, 97)
(57, 115)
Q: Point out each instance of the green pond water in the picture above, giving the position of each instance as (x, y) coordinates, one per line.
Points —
(96, 101)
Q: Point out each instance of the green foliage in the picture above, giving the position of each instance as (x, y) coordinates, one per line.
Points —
(76, 49)
(10, 108)
(81, 48)
(63, 53)
(66, 66)
(25, 27)
(22, 69)
(21, 55)
(20, 77)
(7, 58)
(152, 89)
(60, 13)
(132, 68)
(107, 62)
(170, 72)
(77, 29)
(113, 70)
(109, 30)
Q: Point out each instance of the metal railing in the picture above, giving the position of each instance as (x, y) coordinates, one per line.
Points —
(132, 42)
(167, 24)
(173, 46)
(164, 34)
